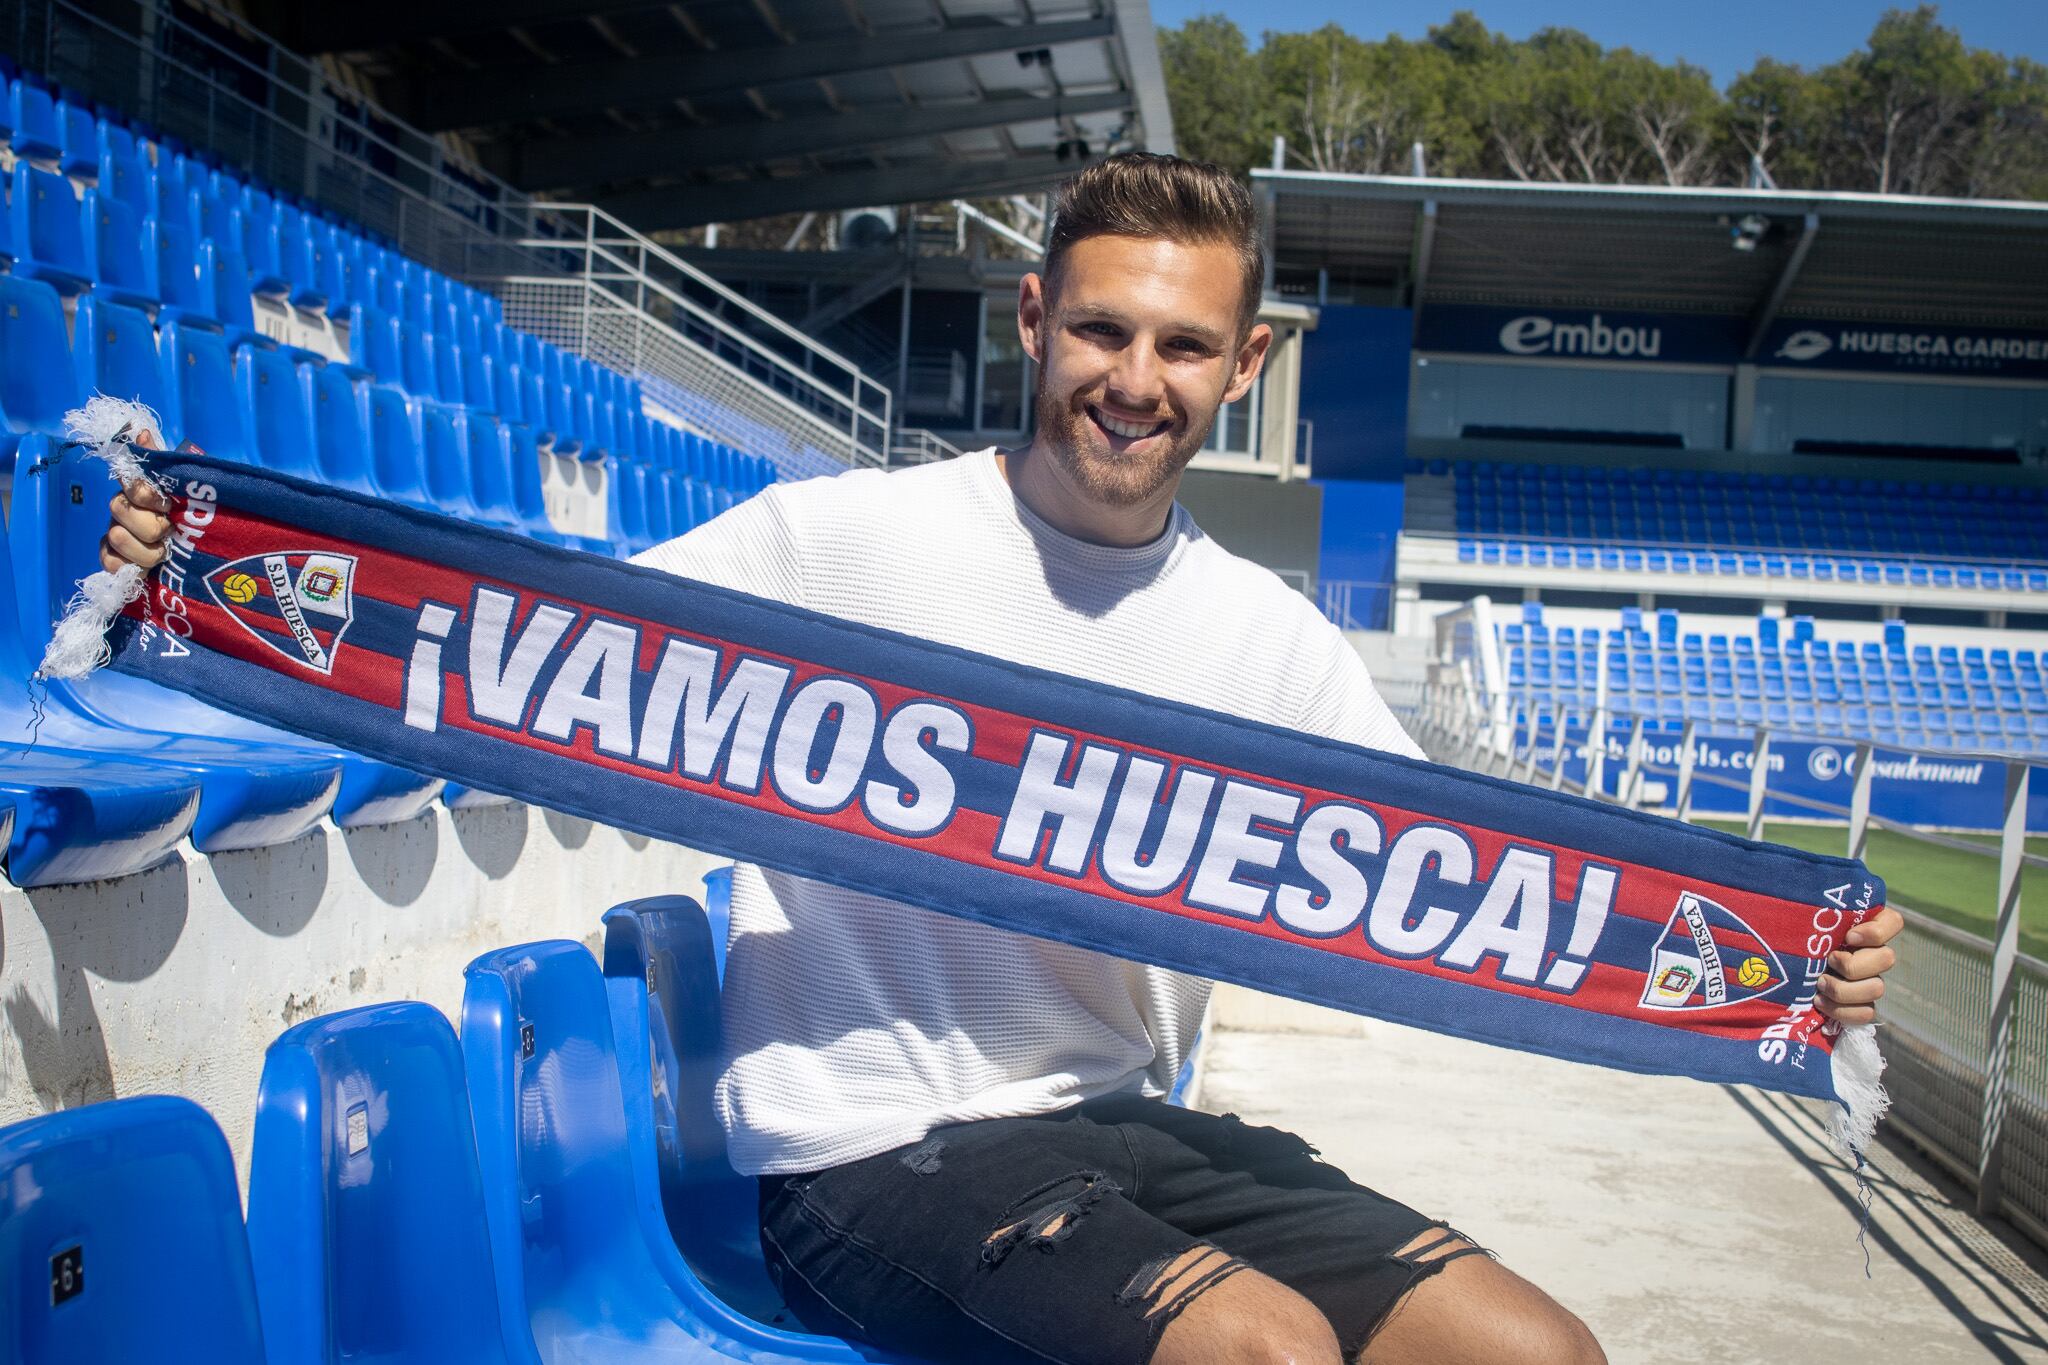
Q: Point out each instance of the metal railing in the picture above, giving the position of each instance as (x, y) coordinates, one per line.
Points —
(720, 363)
(1965, 1018)
(569, 273)
(921, 445)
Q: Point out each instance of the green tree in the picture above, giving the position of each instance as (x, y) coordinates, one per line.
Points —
(1217, 88)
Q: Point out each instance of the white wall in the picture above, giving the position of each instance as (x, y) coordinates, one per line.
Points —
(175, 981)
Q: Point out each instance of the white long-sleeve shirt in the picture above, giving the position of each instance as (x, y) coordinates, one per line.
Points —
(855, 1024)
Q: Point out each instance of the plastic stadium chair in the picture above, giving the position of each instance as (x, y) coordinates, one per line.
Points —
(49, 231)
(397, 466)
(274, 397)
(37, 135)
(233, 296)
(444, 443)
(184, 278)
(114, 251)
(573, 1219)
(341, 426)
(375, 344)
(36, 381)
(121, 1239)
(200, 402)
(366, 1211)
(78, 133)
(58, 517)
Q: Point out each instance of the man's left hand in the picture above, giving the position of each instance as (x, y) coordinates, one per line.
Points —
(1849, 992)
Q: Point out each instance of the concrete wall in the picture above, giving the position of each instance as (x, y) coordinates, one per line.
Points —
(1268, 522)
(175, 981)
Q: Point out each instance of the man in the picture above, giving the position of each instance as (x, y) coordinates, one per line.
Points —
(961, 1135)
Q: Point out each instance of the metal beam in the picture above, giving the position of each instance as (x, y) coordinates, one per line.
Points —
(731, 201)
(368, 24)
(1788, 275)
(1418, 266)
(571, 163)
(476, 99)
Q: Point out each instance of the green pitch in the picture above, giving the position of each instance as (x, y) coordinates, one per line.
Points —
(1947, 884)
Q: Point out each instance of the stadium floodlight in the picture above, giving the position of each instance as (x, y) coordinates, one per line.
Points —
(1748, 231)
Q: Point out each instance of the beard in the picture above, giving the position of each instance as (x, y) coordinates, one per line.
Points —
(1104, 474)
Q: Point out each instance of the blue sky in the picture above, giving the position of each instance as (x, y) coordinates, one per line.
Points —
(1724, 37)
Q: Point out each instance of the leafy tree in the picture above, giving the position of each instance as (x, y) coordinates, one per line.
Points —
(1915, 111)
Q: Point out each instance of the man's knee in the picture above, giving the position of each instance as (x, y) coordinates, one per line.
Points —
(1471, 1309)
(1239, 1317)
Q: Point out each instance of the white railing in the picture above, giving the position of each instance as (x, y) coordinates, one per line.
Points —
(718, 362)
(921, 445)
(1966, 1018)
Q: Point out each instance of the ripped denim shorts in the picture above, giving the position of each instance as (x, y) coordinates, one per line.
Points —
(1078, 1236)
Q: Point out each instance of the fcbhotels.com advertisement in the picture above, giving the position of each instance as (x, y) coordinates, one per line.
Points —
(1957, 792)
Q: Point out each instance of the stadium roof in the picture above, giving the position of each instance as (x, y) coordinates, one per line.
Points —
(1866, 257)
(719, 110)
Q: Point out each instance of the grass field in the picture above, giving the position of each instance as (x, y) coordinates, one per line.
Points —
(1944, 883)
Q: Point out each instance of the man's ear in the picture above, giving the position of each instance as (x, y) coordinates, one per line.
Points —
(1251, 358)
(1031, 312)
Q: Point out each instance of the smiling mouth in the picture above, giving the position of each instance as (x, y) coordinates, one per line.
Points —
(1128, 431)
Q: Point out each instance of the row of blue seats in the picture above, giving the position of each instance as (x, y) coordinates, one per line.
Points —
(519, 1192)
(549, 1184)
(1810, 567)
(1907, 728)
(1796, 667)
(198, 243)
(1543, 476)
(1691, 687)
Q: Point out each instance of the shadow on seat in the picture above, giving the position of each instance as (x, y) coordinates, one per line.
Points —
(572, 1224)
(121, 1239)
(366, 1212)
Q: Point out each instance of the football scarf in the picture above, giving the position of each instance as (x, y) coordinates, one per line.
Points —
(1001, 793)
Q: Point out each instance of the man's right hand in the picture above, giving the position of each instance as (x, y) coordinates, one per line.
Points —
(139, 532)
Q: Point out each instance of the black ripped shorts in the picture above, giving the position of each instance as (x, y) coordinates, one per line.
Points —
(1044, 1239)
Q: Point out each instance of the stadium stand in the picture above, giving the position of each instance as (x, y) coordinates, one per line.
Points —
(1785, 676)
(138, 270)
(1717, 524)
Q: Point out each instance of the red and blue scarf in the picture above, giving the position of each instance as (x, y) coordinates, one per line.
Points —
(1004, 794)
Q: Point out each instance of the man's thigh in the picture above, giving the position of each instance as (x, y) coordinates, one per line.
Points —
(1004, 1240)
(1261, 1194)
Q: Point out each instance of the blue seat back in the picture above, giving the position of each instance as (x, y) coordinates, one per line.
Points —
(281, 418)
(341, 426)
(396, 464)
(200, 402)
(36, 384)
(529, 503)
(490, 470)
(184, 280)
(444, 446)
(49, 231)
(366, 1211)
(136, 1199)
(115, 350)
(37, 133)
(114, 248)
(233, 289)
(126, 177)
(374, 345)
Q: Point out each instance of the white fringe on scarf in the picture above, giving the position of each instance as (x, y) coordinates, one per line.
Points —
(78, 644)
(1859, 1088)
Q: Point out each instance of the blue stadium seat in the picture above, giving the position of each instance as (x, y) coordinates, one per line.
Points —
(184, 278)
(114, 348)
(397, 463)
(200, 402)
(36, 380)
(115, 255)
(233, 305)
(341, 427)
(49, 230)
(366, 1210)
(602, 1278)
(628, 509)
(257, 214)
(273, 395)
(445, 447)
(133, 1202)
(78, 135)
(36, 133)
(374, 344)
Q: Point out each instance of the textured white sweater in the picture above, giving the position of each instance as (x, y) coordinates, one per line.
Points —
(855, 1024)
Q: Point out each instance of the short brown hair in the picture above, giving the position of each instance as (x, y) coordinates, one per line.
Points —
(1143, 194)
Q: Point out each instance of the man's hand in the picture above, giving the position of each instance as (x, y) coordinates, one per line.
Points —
(1854, 982)
(139, 531)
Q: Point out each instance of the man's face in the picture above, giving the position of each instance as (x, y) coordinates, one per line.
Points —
(1136, 348)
